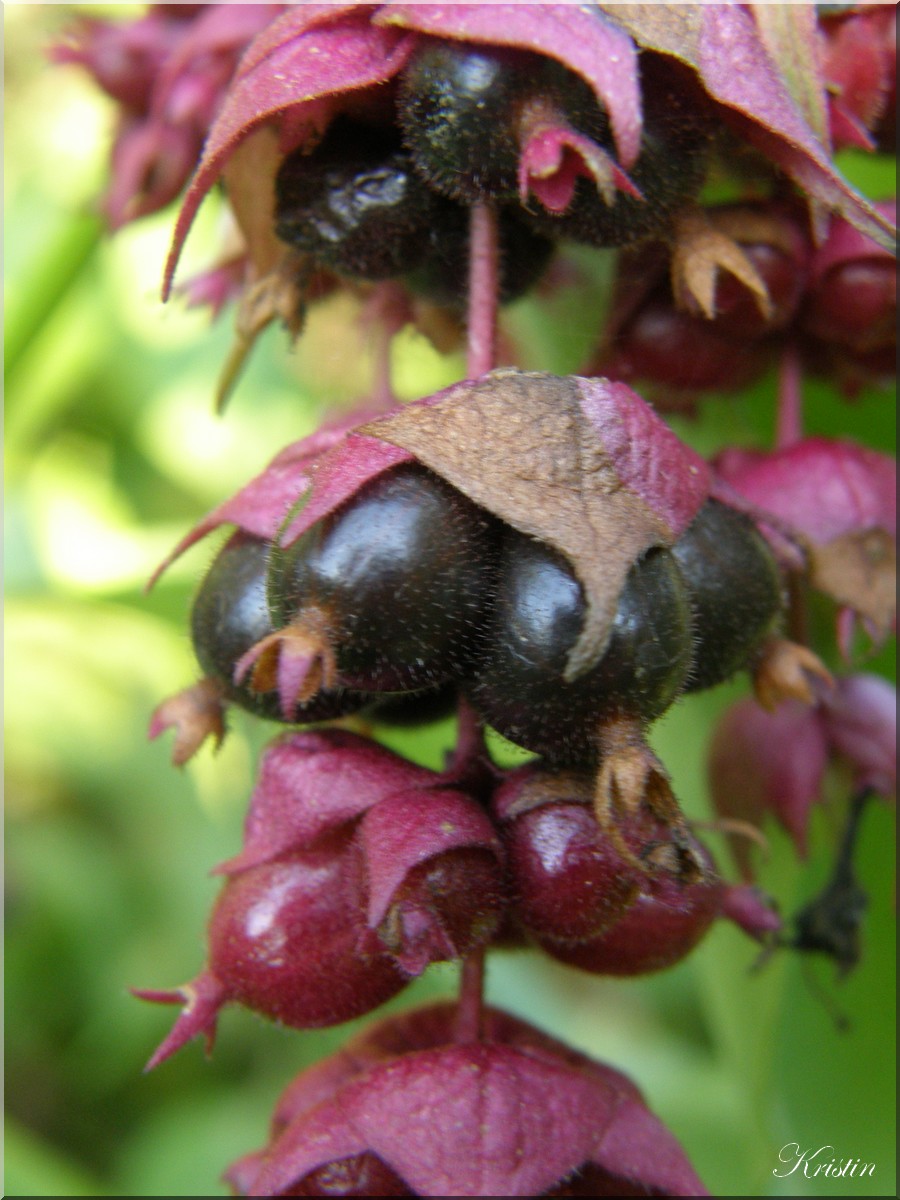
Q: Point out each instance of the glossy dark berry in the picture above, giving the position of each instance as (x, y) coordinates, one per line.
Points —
(669, 171)
(539, 612)
(681, 353)
(458, 108)
(396, 582)
(735, 591)
(230, 614)
(443, 275)
(355, 204)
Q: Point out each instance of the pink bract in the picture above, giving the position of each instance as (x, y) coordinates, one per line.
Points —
(451, 1119)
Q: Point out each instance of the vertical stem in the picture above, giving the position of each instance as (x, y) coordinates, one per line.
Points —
(386, 313)
(470, 1011)
(469, 734)
(789, 424)
(483, 289)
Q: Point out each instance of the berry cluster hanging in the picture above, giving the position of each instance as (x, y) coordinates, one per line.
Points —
(541, 555)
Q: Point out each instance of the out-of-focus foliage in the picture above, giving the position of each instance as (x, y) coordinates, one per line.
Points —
(113, 450)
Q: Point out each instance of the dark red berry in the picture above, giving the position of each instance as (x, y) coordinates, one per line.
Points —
(662, 925)
(735, 591)
(361, 1175)
(395, 582)
(855, 305)
(567, 879)
(230, 614)
(680, 352)
(286, 938)
(782, 265)
(592, 1180)
(521, 688)
(355, 204)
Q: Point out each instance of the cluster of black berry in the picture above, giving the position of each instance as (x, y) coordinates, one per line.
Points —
(390, 199)
(540, 554)
(410, 587)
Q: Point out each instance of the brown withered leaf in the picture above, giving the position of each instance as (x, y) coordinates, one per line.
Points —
(583, 465)
(859, 569)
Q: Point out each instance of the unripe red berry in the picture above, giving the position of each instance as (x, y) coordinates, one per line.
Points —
(659, 928)
(568, 881)
(287, 938)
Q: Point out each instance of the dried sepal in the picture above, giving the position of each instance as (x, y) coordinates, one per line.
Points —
(195, 713)
(583, 465)
(702, 249)
(785, 670)
(298, 661)
(631, 780)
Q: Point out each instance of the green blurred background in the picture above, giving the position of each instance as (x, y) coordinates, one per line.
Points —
(113, 451)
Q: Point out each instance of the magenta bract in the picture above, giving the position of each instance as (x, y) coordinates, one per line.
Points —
(762, 762)
(860, 717)
(451, 1119)
(312, 783)
(264, 505)
(819, 487)
(724, 45)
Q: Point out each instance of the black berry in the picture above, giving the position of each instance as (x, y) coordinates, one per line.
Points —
(355, 204)
(734, 588)
(395, 582)
(230, 614)
(669, 171)
(458, 108)
(521, 689)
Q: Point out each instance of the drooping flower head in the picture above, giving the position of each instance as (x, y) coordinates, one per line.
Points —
(406, 1109)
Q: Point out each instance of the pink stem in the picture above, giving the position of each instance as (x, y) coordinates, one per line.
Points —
(470, 1012)
(469, 734)
(387, 311)
(789, 423)
(483, 289)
